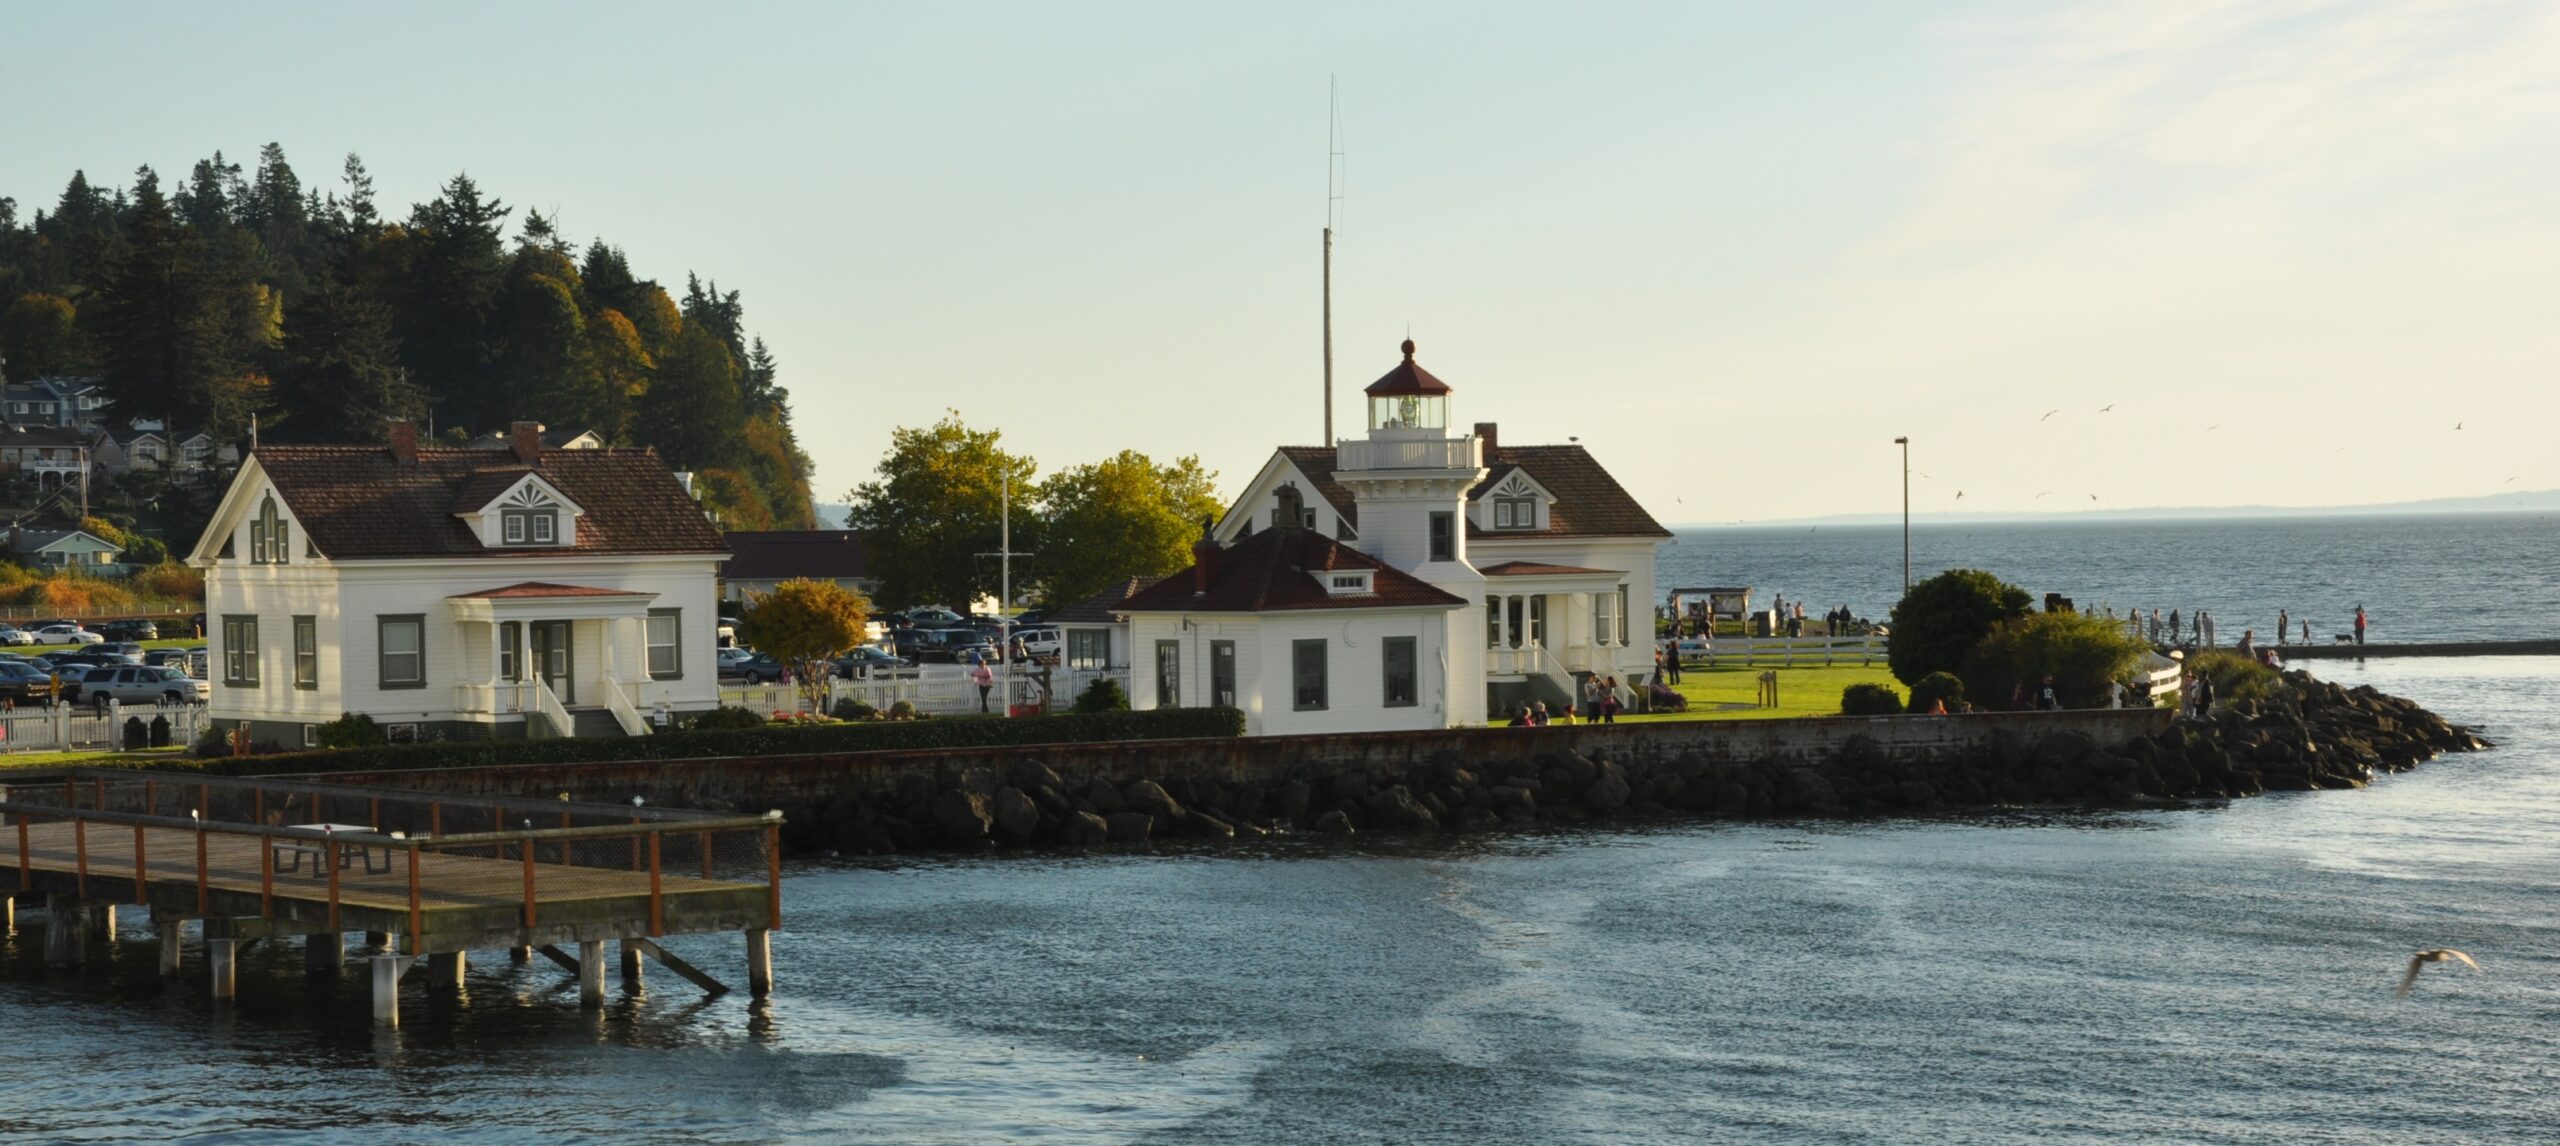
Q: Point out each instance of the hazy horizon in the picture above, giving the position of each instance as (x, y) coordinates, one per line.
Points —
(2157, 253)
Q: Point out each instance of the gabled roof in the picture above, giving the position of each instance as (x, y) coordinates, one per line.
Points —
(1588, 502)
(1276, 570)
(1102, 607)
(1541, 569)
(360, 502)
(781, 554)
(38, 540)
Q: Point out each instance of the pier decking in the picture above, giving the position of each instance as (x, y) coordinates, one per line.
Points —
(426, 876)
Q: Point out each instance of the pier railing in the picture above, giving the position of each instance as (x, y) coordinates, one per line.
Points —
(207, 846)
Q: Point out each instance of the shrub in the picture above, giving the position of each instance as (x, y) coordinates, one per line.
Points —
(725, 718)
(762, 740)
(1937, 624)
(353, 730)
(903, 710)
(1103, 695)
(145, 551)
(2234, 677)
(852, 708)
(173, 581)
(1869, 699)
(1937, 687)
(2083, 654)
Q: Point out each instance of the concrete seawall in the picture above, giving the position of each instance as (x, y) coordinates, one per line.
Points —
(2336, 652)
(751, 784)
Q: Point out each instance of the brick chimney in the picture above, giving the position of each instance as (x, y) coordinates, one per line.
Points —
(1204, 557)
(1492, 442)
(404, 440)
(525, 438)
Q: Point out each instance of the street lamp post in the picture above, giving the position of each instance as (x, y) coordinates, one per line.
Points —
(1905, 443)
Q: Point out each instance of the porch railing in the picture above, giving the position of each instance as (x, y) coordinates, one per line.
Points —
(617, 702)
(548, 706)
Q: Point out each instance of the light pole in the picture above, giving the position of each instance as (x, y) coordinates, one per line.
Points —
(1905, 443)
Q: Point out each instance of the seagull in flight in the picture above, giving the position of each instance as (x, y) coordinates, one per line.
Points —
(2457, 425)
(2048, 414)
(2047, 493)
(2512, 481)
(2213, 427)
(1959, 495)
(2422, 958)
(2109, 408)
(2093, 497)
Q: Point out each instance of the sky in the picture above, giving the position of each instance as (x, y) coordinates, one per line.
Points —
(2108, 254)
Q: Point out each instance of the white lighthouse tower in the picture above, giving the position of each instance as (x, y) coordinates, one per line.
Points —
(1410, 479)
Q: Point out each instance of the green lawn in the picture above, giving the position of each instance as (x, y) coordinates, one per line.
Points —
(74, 759)
(1728, 692)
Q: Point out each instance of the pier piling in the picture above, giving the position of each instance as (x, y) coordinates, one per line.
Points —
(591, 973)
(64, 930)
(759, 962)
(224, 957)
(445, 969)
(386, 988)
(324, 954)
(631, 964)
(173, 949)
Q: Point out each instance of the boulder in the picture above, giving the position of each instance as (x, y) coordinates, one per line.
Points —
(961, 814)
(980, 780)
(1083, 829)
(1129, 827)
(1608, 793)
(2056, 749)
(1395, 807)
(1350, 786)
(1150, 797)
(1208, 826)
(1332, 824)
(1032, 775)
(1016, 817)
(1291, 800)
(1105, 799)
(1508, 798)
(914, 790)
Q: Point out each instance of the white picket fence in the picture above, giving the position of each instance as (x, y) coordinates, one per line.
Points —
(85, 728)
(935, 690)
(1859, 650)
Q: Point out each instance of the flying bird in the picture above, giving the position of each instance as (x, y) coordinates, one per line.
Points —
(2213, 427)
(2457, 425)
(2047, 493)
(2422, 958)
(2109, 408)
(2093, 497)
(2048, 414)
(1959, 495)
(2512, 481)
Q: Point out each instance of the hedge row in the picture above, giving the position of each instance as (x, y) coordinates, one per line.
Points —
(772, 740)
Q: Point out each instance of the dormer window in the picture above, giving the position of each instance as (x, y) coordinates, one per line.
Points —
(1348, 583)
(1515, 504)
(529, 515)
(269, 537)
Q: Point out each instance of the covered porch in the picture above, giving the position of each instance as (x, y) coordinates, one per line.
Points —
(564, 660)
(1548, 626)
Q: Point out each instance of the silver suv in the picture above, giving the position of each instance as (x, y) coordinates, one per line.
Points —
(141, 684)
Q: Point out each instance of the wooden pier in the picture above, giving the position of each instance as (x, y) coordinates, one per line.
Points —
(423, 877)
(2351, 651)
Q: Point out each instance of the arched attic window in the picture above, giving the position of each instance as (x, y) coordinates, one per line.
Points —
(270, 538)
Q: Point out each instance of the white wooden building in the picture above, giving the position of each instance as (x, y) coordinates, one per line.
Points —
(1516, 572)
(457, 592)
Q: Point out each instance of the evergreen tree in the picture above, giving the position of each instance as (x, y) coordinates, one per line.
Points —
(691, 412)
(706, 306)
(341, 379)
(275, 212)
(160, 326)
(622, 368)
(206, 203)
(764, 399)
(445, 318)
(608, 278)
(546, 363)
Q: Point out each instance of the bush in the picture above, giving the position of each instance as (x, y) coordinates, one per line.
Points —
(725, 718)
(2234, 677)
(354, 730)
(1937, 687)
(1937, 624)
(1103, 695)
(904, 710)
(762, 740)
(2083, 654)
(851, 708)
(1867, 699)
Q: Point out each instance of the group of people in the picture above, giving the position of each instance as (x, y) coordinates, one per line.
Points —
(2177, 631)
(1835, 623)
(1600, 705)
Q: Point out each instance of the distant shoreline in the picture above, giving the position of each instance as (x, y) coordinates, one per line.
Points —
(2540, 502)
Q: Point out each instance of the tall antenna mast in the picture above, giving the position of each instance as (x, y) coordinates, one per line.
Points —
(1334, 170)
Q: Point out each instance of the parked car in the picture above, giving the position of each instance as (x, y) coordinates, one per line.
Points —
(67, 634)
(753, 668)
(75, 661)
(13, 635)
(23, 683)
(137, 684)
(1041, 642)
(174, 658)
(933, 617)
(860, 662)
(137, 630)
(128, 648)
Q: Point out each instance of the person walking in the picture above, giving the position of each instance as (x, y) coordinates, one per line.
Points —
(2046, 698)
(2360, 623)
(2175, 626)
(983, 677)
(1671, 660)
(2283, 622)
(2306, 632)
(2204, 627)
(2249, 643)
(2155, 626)
(1609, 701)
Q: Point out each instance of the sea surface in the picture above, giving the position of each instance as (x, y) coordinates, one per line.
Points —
(2482, 576)
(2218, 974)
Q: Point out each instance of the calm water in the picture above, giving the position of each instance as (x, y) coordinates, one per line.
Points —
(2214, 975)
(2470, 577)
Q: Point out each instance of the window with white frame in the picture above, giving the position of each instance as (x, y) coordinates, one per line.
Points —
(1088, 648)
(666, 653)
(404, 651)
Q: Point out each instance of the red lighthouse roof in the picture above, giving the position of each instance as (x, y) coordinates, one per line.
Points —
(1407, 378)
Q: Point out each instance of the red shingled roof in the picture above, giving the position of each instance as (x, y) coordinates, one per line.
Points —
(781, 554)
(1099, 608)
(1276, 570)
(359, 502)
(1407, 378)
(545, 589)
(1589, 502)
